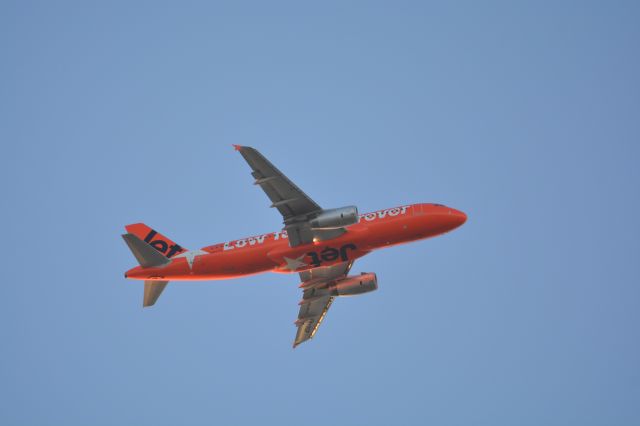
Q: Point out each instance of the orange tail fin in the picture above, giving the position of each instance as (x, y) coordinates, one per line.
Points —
(156, 240)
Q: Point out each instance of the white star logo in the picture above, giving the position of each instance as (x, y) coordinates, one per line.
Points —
(191, 255)
(293, 264)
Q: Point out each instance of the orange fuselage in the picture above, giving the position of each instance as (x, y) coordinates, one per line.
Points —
(272, 253)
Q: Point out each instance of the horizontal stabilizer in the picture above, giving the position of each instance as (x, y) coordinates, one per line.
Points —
(147, 256)
(152, 290)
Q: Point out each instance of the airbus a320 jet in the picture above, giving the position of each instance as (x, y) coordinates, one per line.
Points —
(318, 244)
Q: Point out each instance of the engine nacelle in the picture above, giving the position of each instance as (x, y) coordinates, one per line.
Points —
(354, 285)
(336, 218)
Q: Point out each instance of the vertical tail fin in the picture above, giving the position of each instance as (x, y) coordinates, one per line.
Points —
(156, 240)
(151, 249)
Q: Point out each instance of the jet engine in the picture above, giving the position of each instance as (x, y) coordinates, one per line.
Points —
(354, 285)
(335, 218)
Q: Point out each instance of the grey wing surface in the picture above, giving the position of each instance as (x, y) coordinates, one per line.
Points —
(293, 204)
(284, 194)
(316, 298)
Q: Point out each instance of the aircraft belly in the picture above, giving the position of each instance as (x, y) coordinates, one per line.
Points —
(234, 264)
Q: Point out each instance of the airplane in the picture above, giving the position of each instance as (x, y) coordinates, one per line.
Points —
(318, 244)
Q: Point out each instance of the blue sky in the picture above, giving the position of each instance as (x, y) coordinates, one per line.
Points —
(525, 115)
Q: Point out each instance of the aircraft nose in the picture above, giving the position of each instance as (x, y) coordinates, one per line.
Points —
(457, 217)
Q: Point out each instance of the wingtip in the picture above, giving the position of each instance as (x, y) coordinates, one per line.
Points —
(237, 147)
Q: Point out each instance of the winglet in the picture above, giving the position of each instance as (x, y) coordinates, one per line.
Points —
(237, 147)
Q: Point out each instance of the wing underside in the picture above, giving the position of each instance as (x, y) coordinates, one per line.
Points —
(285, 196)
(294, 205)
(316, 299)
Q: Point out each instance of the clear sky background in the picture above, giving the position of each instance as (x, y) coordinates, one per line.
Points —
(525, 115)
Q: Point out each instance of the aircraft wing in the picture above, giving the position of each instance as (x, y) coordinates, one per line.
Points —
(293, 204)
(284, 194)
(316, 299)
